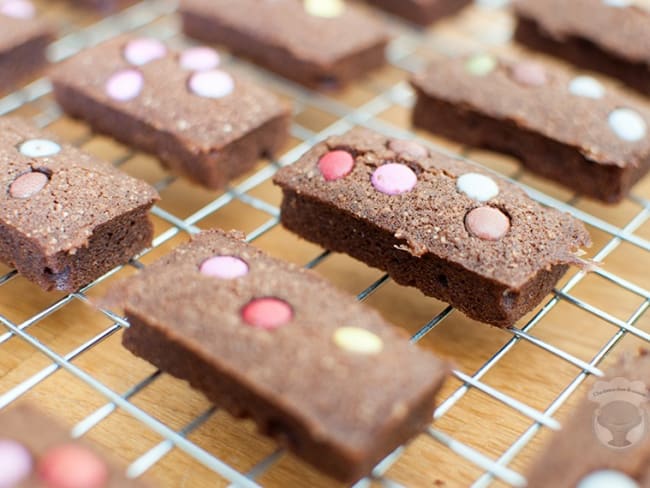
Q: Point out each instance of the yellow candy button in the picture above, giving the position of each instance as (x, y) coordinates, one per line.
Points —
(357, 340)
(328, 9)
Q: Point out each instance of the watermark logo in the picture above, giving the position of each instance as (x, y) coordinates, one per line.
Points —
(621, 419)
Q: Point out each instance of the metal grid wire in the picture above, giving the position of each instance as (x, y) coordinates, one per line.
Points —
(154, 18)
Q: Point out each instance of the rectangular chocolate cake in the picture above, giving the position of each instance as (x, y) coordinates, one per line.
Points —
(23, 39)
(36, 452)
(612, 37)
(321, 44)
(442, 225)
(423, 12)
(604, 443)
(323, 374)
(202, 122)
(66, 217)
(583, 133)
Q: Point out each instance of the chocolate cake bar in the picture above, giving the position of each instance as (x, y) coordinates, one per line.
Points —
(323, 374)
(423, 12)
(583, 133)
(442, 225)
(66, 217)
(202, 122)
(23, 39)
(36, 452)
(319, 43)
(605, 443)
(612, 37)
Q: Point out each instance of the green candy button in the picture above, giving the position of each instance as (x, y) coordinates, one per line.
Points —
(480, 64)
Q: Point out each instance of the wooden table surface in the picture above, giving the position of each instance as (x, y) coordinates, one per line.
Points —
(580, 324)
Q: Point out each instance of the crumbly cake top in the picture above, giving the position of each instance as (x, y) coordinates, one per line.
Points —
(313, 30)
(186, 95)
(602, 122)
(621, 28)
(55, 194)
(285, 332)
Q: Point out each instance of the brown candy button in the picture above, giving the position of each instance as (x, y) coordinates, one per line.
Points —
(28, 185)
(487, 223)
(529, 74)
(400, 146)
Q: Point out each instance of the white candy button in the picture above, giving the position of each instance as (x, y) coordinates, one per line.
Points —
(358, 340)
(18, 9)
(212, 84)
(139, 52)
(627, 124)
(586, 86)
(199, 58)
(328, 9)
(477, 186)
(607, 478)
(39, 148)
(125, 85)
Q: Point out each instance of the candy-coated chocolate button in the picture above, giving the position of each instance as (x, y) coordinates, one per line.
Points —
(200, 58)
(267, 313)
(335, 165)
(607, 478)
(357, 340)
(586, 86)
(18, 9)
(529, 74)
(328, 9)
(477, 186)
(141, 51)
(410, 148)
(224, 267)
(28, 184)
(481, 64)
(487, 223)
(125, 85)
(72, 466)
(15, 463)
(39, 148)
(394, 179)
(627, 124)
(212, 84)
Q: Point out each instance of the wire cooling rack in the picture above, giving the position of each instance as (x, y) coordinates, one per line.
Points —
(620, 235)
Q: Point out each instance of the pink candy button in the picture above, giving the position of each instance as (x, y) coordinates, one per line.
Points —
(529, 74)
(267, 313)
(72, 466)
(139, 52)
(18, 9)
(410, 148)
(487, 223)
(28, 184)
(199, 58)
(212, 84)
(394, 179)
(335, 165)
(125, 85)
(224, 267)
(15, 463)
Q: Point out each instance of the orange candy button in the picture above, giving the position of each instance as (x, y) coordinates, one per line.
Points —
(487, 223)
(72, 466)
